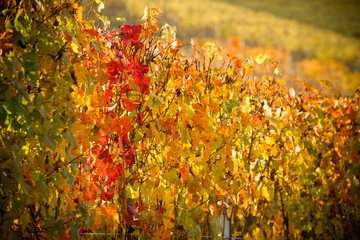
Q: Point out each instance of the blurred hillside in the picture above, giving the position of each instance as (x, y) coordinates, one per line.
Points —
(312, 39)
(342, 16)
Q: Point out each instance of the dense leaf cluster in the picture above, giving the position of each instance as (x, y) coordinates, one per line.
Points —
(117, 132)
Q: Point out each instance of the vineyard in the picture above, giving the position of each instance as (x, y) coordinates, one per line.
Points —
(310, 52)
(117, 134)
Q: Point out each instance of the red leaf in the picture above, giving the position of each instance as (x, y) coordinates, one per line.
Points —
(125, 86)
(131, 31)
(141, 207)
(139, 71)
(113, 172)
(93, 32)
(119, 169)
(105, 155)
(129, 219)
(107, 96)
(160, 209)
(106, 195)
(110, 35)
(130, 35)
(125, 139)
(114, 67)
(175, 134)
(145, 226)
(139, 117)
(123, 142)
(103, 140)
(121, 145)
(130, 157)
(94, 177)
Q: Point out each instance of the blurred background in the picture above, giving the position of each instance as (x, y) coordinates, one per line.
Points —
(312, 39)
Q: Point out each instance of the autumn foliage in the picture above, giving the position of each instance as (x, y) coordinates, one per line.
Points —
(117, 132)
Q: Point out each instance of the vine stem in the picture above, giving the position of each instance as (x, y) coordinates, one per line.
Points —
(286, 220)
(71, 161)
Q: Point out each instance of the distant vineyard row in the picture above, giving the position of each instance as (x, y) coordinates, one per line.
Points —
(315, 53)
(258, 27)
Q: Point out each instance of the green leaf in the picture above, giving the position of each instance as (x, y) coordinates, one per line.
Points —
(69, 176)
(23, 188)
(49, 142)
(74, 233)
(230, 105)
(54, 228)
(172, 177)
(19, 21)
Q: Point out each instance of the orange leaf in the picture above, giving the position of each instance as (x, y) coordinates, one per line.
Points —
(225, 132)
(238, 63)
(125, 122)
(129, 105)
(184, 171)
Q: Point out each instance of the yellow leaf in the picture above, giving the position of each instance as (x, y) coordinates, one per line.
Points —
(168, 32)
(215, 106)
(270, 141)
(167, 223)
(82, 39)
(265, 193)
(257, 233)
(261, 58)
(79, 9)
(212, 50)
(249, 69)
(274, 151)
(230, 72)
(281, 82)
(247, 236)
(74, 47)
(245, 107)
